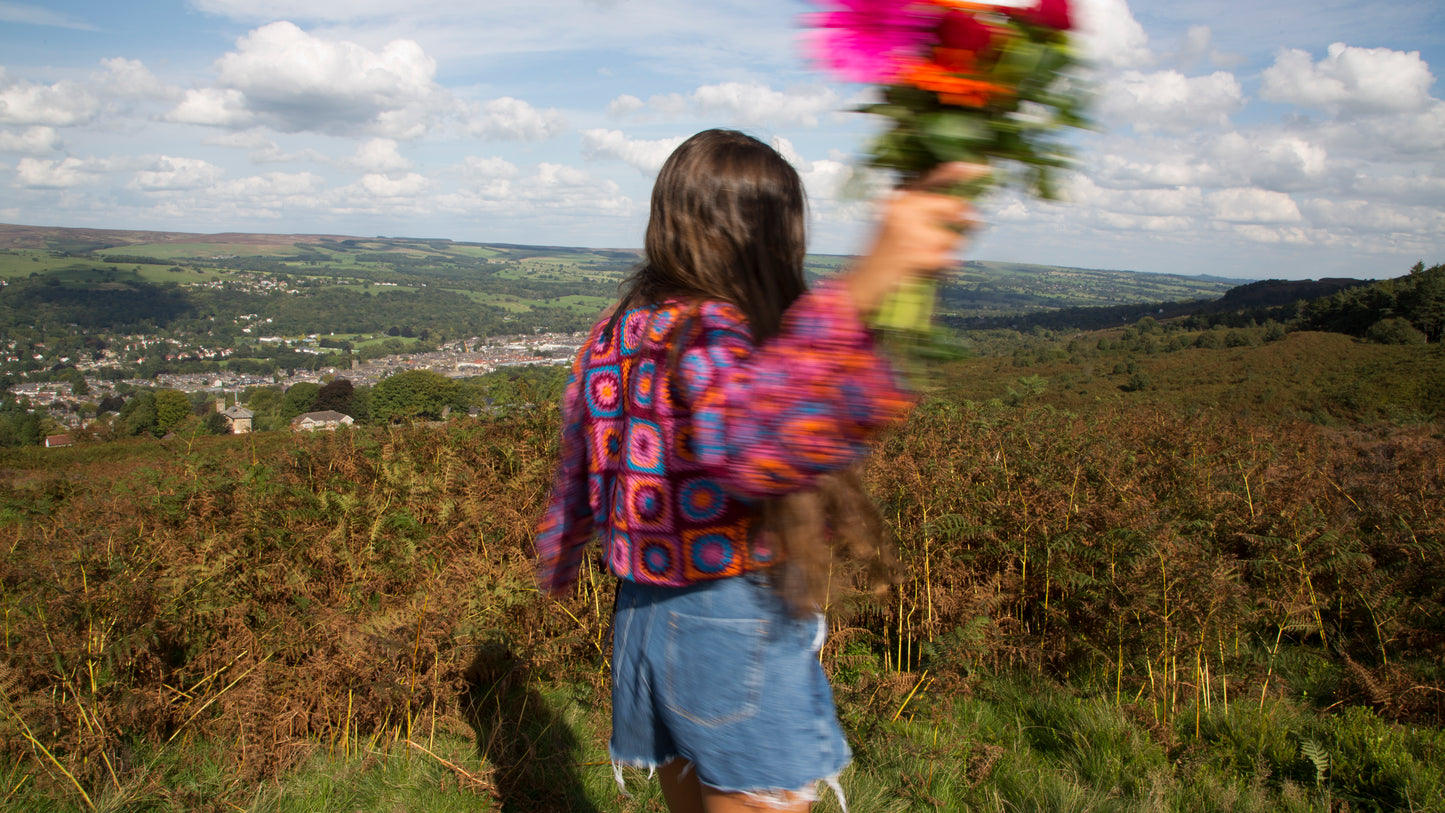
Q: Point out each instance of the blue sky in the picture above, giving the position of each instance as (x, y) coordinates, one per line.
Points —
(1269, 139)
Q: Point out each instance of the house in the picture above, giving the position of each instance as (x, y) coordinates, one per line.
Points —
(327, 419)
(51, 441)
(239, 419)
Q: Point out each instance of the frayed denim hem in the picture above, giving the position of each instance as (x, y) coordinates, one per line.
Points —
(770, 798)
(640, 764)
(781, 799)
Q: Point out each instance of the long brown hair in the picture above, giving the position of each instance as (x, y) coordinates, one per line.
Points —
(729, 223)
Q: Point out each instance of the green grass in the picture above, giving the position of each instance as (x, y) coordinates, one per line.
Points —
(1014, 744)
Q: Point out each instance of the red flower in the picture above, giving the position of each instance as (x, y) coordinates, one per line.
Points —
(965, 32)
(1053, 14)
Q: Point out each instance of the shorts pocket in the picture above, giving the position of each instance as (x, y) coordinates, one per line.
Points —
(714, 667)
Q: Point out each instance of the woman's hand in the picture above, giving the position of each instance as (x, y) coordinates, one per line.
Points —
(919, 233)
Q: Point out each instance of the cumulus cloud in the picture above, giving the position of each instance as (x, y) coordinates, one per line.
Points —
(1111, 37)
(488, 178)
(489, 168)
(1278, 161)
(171, 173)
(379, 155)
(31, 140)
(753, 103)
(1349, 80)
(1253, 206)
(62, 104)
(509, 119)
(740, 103)
(1412, 136)
(263, 149)
(646, 155)
(1198, 45)
(217, 107)
(1372, 216)
(407, 185)
(823, 178)
(1169, 100)
(558, 186)
(624, 104)
(34, 173)
(130, 78)
(269, 189)
(292, 81)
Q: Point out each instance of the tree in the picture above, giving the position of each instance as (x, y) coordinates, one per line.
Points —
(335, 395)
(299, 399)
(1395, 330)
(172, 407)
(412, 394)
(216, 424)
(139, 413)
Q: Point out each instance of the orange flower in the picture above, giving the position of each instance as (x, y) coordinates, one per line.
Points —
(951, 88)
(961, 5)
(956, 60)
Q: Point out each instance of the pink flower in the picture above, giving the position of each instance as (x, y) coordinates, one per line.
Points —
(1053, 14)
(869, 40)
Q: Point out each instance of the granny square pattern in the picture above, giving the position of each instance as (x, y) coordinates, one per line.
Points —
(675, 426)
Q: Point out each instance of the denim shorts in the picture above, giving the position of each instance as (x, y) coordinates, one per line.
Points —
(720, 673)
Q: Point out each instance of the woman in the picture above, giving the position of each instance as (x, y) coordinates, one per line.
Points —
(709, 426)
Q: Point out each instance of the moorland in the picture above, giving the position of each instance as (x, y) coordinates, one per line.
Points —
(1171, 544)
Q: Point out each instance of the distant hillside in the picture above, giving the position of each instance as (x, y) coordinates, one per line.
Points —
(538, 276)
(983, 289)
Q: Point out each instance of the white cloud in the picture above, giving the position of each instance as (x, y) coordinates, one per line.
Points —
(130, 78)
(1416, 190)
(1198, 45)
(31, 140)
(753, 103)
(509, 119)
(624, 104)
(489, 168)
(379, 155)
(270, 187)
(1275, 160)
(1350, 80)
(64, 173)
(295, 81)
(1412, 135)
(558, 186)
(1170, 101)
(1156, 202)
(62, 104)
(647, 156)
(824, 178)
(241, 139)
(170, 173)
(1253, 206)
(740, 104)
(1111, 37)
(217, 107)
(1372, 216)
(408, 185)
(483, 179)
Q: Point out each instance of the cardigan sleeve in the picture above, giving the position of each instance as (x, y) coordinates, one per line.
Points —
(567, 524)
(770, 419)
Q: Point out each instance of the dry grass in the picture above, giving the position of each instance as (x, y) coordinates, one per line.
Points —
(374, 586)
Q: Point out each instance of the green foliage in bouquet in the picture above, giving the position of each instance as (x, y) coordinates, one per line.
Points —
(968, 82)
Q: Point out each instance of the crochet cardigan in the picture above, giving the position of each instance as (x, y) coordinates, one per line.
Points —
(668, 464)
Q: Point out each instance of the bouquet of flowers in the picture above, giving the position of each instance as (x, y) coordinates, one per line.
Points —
(959, 81)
